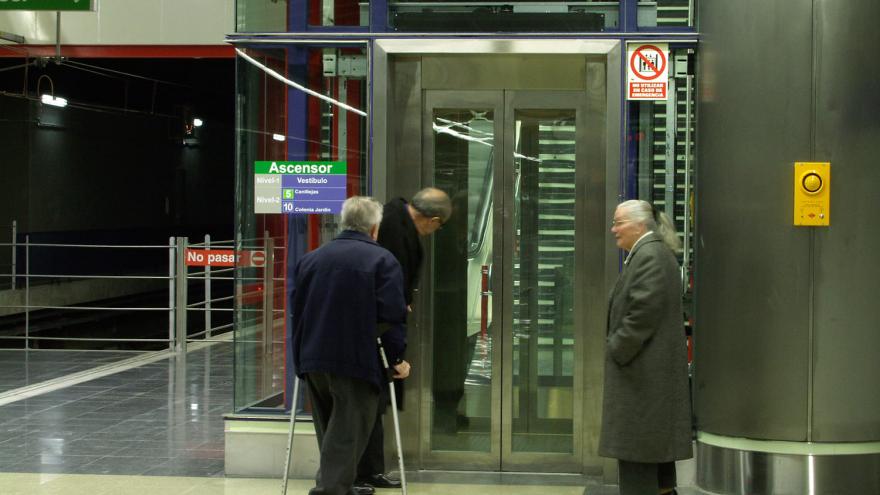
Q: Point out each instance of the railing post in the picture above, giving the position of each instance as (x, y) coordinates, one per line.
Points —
(207, 291)
(180, 297)
(14, 235)
(268, 294)
(171, 283)
(27, 291)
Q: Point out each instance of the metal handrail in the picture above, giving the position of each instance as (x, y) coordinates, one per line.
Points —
(133, 277)
(85, 308)
(218, 270)
(204, 332)
(178, 279)
(216, 299)
(89, 246)
(28, 306)
(89, 339)
(213, 244)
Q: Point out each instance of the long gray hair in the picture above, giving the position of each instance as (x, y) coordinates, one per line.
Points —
(653, 219)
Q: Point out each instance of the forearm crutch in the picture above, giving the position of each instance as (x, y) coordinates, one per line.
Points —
(289, 456)
(390, 372)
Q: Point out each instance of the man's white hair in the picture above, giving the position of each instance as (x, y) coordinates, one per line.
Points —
(361, 214)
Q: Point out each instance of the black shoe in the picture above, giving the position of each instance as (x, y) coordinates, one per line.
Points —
(378, 481)
(359, 489)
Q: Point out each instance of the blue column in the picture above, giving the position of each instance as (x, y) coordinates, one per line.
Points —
(629, 16)
(297, 225)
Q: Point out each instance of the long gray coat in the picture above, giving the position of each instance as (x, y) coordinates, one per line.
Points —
(646, 411)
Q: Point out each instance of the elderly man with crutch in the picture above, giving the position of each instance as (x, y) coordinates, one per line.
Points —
(346, 292)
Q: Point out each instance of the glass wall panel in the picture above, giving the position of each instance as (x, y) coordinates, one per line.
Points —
(261, 16)
(666, 13)
(278, 122)
(339, 13)
(462, 370)
(272, 16)
(543, 281)
(468, 16)
(661, 149)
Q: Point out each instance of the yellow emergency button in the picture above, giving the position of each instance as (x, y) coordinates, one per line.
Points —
(812, 194)
(812, 182)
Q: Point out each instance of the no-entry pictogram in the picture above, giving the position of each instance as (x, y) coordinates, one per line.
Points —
(258, 258)
(647, 71)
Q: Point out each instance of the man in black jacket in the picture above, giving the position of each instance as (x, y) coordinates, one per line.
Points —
(343, 291)
(402, 225)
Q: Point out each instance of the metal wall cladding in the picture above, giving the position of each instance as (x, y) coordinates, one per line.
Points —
(847, 319)
(752, 266)
(781, 82)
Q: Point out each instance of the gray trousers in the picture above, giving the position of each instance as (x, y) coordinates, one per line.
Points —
(639, 478)
(344, 410)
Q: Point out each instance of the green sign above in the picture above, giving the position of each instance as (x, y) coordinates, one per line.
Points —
(81, 5)
(301, 168)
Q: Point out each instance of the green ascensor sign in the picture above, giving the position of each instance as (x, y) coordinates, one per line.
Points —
(83, 5)
(300, 168)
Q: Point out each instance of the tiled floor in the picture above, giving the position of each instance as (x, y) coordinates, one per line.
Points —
(158, 429)
(74, 484)
(19, 368)
(163, 418)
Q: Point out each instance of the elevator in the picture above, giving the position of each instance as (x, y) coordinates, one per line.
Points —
(507, 330)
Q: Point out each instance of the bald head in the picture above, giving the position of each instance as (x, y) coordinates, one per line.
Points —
(432, 202)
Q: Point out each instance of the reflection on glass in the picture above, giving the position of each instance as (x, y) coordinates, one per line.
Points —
(543, 281)
(462, 254)
(665, 13)
(341, 13)
(319, 131)
(273, 16)
(467, 16)
(260, 16)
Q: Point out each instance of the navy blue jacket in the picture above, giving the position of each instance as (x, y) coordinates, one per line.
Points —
(342, 292)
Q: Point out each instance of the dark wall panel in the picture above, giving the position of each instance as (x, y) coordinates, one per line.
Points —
(13, 161)
(13, 176)
(847, 322)
(91, 170)
(752, 265)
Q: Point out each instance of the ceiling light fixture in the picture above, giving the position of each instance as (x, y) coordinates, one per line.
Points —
(55, 101)
(50, 98)
(197, 122)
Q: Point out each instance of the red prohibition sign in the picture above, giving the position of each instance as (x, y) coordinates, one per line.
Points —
(638, 54)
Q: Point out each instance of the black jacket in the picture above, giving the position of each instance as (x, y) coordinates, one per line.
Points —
(398, 234)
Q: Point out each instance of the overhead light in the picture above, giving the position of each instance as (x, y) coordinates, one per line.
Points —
(197, 122)
(279, 137)
(55, 101)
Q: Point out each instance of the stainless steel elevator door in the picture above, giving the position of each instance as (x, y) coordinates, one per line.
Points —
(504, 354)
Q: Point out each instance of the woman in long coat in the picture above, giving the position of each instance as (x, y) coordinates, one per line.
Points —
(646, 418)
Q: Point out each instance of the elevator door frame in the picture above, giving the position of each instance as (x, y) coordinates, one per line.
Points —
(397, 93)
(505, 104)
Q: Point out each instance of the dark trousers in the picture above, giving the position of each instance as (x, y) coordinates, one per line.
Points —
(373, 460)
(639, 478)
(344, 411)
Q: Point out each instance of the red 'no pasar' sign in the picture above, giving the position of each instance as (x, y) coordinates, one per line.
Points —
(210, 257)
(647, 71)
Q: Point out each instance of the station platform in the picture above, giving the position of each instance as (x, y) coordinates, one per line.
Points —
(121, 423)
